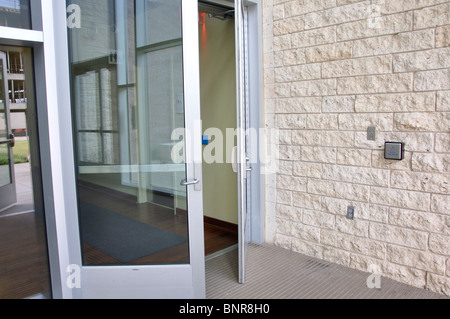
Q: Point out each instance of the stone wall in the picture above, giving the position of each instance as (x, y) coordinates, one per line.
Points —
(334, 68)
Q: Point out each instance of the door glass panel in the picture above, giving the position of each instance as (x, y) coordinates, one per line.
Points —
(24, 267)
(5, 162)
(15, 14)
(127, 84)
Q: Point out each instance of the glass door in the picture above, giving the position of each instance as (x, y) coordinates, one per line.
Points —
(137, 139)
(7, 179)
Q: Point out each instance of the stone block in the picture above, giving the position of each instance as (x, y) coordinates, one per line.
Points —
(376, 26)
(328, 52)
(314, 37)
(361, 121)
(438, 163)
(439, 284)
(400, 198)
(293, 57)
(319, 154)
(289, 25)
(442, 143)
(440, 244)
(305, 200)
(443, 101)
(290, 121)
(297, 73)
(307, 169)
(432, 80)
(389, 83)
(299, 105)
(406, 102)
(353, 244)
(319, 219)
(354, 192)
(416, 259)
(354, 174)
(354, 157)
(399, 236)
(440, 204)
(418, 181)
(443, 36)
(422, 260)
(337, 15)
(355, 227)
(423, 121)
(394, 43)
(422, 60)
(305, 232)
(306, 137)
(432, 16)
(425, 221)
(322, 121)
(289, 212)
(314, 88)
(293, 183)
(338, 104)
(299, 7)
(355, 67)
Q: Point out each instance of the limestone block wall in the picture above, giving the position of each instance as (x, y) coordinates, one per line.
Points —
(332, 69)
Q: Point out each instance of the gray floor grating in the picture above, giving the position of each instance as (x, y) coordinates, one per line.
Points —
(275, 273)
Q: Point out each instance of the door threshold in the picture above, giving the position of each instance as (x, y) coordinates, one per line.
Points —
(221, 252)
(15, 210)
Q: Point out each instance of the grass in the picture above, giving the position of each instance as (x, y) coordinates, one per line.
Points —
(21, 151)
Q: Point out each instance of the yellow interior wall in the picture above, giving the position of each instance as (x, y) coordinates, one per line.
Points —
(218, 107)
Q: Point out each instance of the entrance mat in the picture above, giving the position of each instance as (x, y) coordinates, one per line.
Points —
(121, 237)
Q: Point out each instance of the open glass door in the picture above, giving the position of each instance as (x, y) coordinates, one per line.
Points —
(7, 180)
(137, 137)
(243, 146)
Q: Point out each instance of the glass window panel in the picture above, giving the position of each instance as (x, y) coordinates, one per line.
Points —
(88, 110)
(159, 20)
(24, 271)
(15, 14)
(132, 209)
(90, 148)
(5, 172)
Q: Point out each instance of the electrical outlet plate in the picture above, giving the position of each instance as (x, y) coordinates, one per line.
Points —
(372, 133)
(351, 212)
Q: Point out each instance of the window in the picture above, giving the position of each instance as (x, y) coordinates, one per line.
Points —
(15, 14)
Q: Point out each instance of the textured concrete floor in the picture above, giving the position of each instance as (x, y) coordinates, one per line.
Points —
(275, 273)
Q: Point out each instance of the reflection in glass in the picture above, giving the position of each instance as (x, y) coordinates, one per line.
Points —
(15, 14)
(24, 268)
(5, 172)
(127, 84)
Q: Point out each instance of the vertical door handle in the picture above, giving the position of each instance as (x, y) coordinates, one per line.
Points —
(234, 159)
